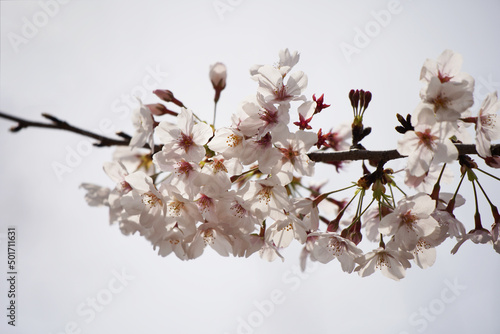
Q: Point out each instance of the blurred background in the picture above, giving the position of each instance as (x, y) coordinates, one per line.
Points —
(84, 61)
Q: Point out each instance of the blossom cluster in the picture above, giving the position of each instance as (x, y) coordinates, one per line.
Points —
(186, 186)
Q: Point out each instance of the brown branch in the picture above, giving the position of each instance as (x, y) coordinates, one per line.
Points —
(63, 125)
(385, 155)
(315, 156)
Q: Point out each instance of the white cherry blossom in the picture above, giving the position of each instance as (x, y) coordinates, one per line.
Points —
(392, 263)
(487, 126)
(144, 124)
(229, 142)
(264, 117)
(446, 68)
(272, 87)
(287, 61)
(424, 254)
(428, 143)
(328, 246)
(267, 198)
(294, 158)
(144, 200)
(410, 221)
(186, 138)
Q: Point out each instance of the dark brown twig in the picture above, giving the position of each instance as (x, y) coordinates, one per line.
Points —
(63, 125)
(385, 155)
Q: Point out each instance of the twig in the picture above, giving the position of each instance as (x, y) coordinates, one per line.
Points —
(63, 125)
(385, 155)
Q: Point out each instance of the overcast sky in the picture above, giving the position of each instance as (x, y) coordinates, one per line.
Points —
(84, 60)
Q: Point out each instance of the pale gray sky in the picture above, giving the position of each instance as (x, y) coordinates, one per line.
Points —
(83, 60)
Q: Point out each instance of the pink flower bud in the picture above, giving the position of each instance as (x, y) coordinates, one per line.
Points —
(167, 96)
(493, 161)
(159, 109)
(218, 75)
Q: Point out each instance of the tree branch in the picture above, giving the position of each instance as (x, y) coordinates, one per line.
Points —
(63, 125)
(315, 156)
(385, 155)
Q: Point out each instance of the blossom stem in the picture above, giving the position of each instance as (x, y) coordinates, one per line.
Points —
(493, 176)
(215, 113)
(360, 205)
(477, 216)
(382, 243)
(392, 196)
(339, 190)
(459, 184)
(362, 213)
(437, 187)
(234, 178)
(341, 212)
(484, 193)
(397, 187)
(323, 196)
(197, 118)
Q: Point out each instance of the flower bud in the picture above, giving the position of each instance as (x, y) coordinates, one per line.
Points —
(167, 96)
(493, 161)
(159, 109)
(218, 76)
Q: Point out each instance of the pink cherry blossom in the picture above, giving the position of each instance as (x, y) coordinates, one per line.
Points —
(487, 127)
(272, 87)
(328, 246)
(294, 158)
(144, 200)
(446, 68)
(392, 263)
(410, 221)
(429, 143)
(144, 124)
(186, 138)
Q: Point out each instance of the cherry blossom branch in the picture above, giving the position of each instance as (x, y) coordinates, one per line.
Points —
(63, 125)
(315, 156)
(385, 155)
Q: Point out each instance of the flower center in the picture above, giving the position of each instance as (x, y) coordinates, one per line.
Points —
(421, 246)
(269, 116)
(335, 247)
(204, 203)
(440, 101)
(289, 154)
(238, 210)
(408, 220)
(218, 165)
(183, 167)
(175, 207)
(233, 140)
(151, 199)
(280, 93)
(488, 120)
(265, 141)
(264, 194)
(125, 187)
(208, 236)
(426, 138)
(382, 261)
(185, 142)
(443, 77)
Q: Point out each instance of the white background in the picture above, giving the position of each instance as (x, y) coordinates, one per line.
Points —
(87, 56)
